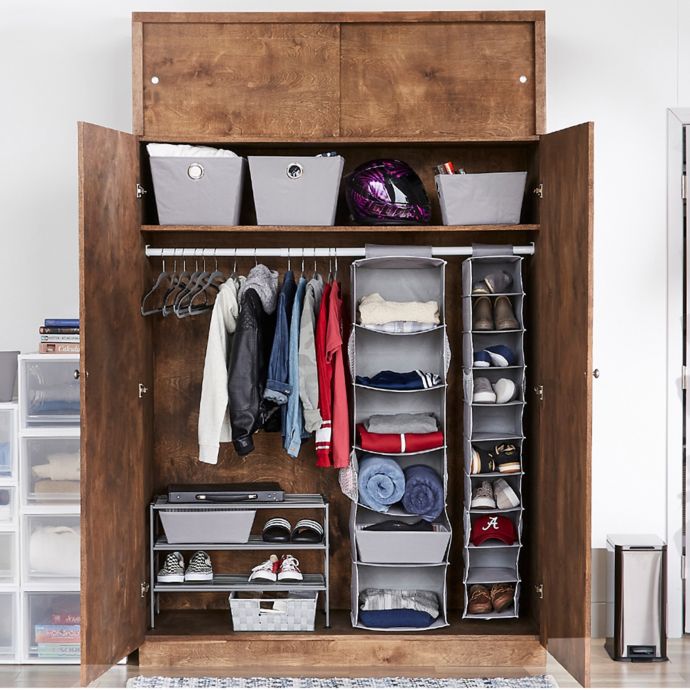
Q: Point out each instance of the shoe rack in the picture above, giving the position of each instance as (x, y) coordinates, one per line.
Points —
(488, 424)
(389, 559)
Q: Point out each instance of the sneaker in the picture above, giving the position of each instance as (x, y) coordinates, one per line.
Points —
(481, 461)
(504, 316)
(482, 315)
(483, 497)
(199, 568)
(479, 600)
(483, 391)
(506, 390)
(509, 467)
(501, 596)
(173, 568)
(289, 569)
(266, 571)
(506, 456)
(501, 356)
(506, 498)
(482, 359)
(498, 281)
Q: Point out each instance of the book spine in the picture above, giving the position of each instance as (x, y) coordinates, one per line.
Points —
(61, 323)
(63, 331)
(59, 338)
(59, 348)
(58, 650)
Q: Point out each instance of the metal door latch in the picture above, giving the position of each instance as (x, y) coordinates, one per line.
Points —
(539, 190)
(140, 191)
(142, 390)
(539, 392)
(539, 589)
(144, 589)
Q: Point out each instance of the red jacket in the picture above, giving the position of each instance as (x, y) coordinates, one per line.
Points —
(324, 370)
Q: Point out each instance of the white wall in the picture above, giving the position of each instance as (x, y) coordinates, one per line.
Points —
(614, 62)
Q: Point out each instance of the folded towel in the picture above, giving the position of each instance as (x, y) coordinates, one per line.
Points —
(400, 327)
(395, 618)
(56, 486)
(402, 423)
(373, 309)
(424, 494)
(381, 482)
(398, 443)
(385, 599)
(60, 466)
(401, 381)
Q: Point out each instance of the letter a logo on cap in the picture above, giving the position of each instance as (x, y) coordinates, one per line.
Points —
(493, 528)
(492, 523)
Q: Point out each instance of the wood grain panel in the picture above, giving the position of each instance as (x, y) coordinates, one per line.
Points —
(456, 79)
(115, 423)
(242, 79)
(563, 365)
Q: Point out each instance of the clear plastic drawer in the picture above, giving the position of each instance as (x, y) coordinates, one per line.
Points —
(50, 469)
(8, 558)
(52, 626)
(8, 626)
(48, 390)
(8, 506)
(51, 546)
(8, 443)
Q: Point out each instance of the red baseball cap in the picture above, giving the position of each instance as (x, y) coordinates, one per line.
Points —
(489, 527)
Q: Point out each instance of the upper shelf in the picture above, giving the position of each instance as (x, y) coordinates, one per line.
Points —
(200, 229)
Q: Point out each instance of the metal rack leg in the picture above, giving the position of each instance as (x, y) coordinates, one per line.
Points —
(152, 566)
(326, 570)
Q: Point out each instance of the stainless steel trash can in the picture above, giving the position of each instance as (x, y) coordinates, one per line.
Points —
(636, 584)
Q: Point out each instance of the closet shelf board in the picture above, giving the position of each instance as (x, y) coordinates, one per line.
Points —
(239, 583)
(255, 543)
(201, 229)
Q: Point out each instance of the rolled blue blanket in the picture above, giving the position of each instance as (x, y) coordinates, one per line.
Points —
(381, 482)
(424, 495)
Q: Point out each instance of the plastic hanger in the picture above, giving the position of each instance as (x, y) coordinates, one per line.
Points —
(213, 282)
(191, 286)
(183, 279)
(194, 288)
(164, 279)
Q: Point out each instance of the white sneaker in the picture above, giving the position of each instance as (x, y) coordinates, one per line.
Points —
(505, 390)
(289, 570)
(483, 392)
(199, 568)
(506, 497)
(483, 496)
(265, 571)
(173, 568)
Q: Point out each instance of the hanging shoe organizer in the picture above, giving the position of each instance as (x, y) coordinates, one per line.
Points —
(399, 560)
(490, 427)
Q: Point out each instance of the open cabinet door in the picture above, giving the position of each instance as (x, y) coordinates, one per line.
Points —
(562, 281)
(115, 420)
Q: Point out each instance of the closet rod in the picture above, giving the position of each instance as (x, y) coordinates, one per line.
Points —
(299, 252)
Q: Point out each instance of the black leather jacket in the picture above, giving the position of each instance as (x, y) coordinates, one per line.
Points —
(247, 373)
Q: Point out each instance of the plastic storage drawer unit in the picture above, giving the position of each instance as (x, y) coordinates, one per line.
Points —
(51, 546)
(52, 626)
(49, 392)
(51, 471)
(8, 626)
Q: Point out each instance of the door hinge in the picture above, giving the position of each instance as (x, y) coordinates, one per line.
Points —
(683, 186)
(539, 392)
(142, 390)
(539, 190)
(539, 589)
(140, 191)
(684, 377)
(144, 589)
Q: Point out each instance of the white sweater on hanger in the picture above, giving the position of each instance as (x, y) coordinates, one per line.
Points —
(214, 420)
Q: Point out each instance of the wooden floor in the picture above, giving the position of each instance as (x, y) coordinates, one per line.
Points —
(605, 673)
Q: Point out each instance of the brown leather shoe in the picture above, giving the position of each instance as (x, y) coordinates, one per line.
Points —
(504, 316)
(480, 600)
(502, 596)
(482, 315)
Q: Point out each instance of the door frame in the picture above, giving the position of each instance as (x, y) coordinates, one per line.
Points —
(677, 120)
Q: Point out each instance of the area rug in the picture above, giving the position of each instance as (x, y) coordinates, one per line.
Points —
(398, 682)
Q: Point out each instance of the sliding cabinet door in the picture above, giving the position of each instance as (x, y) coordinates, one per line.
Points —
(116, 427)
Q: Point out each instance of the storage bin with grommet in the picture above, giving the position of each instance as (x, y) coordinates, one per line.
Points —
(296, 190)
(196, 185)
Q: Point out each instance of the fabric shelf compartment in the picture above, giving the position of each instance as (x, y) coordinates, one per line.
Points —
(196, 185)
(480, 267)
(212, 526)
(296, 190)
(517, 376)
(516, 302)
(8, 627)
(400, 577)
(471, 483)
(512, 611)
(296, 613)
(499, 422)
(51, 467)
(371, 403)
(478, 341)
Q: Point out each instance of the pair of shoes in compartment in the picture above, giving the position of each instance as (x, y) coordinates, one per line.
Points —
(497, 281)
(495, 356)
(283, 569)
(503, 458)
(497, 495)
(498, 316)
(199, 569)
(279, 530)
(494, 599)
(501, 392)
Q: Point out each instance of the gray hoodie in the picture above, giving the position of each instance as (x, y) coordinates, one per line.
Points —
(264, 282)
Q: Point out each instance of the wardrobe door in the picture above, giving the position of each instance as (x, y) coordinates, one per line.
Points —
(562, 341)
(115, 418)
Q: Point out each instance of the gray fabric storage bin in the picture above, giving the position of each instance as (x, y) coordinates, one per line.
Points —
(296, 190)
(192, 526)
(213, 198)
(294, 615)
(481, 199)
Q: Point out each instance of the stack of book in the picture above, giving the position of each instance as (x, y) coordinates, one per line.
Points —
(59, 336)
(54, 641)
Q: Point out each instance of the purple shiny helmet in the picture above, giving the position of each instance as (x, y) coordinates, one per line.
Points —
(386, 192)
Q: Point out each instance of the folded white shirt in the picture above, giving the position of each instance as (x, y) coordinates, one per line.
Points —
(187, 151)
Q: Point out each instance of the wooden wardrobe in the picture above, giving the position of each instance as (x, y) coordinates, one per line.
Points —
(424, 87)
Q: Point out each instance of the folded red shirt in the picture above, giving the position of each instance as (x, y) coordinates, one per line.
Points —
(398, 443)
